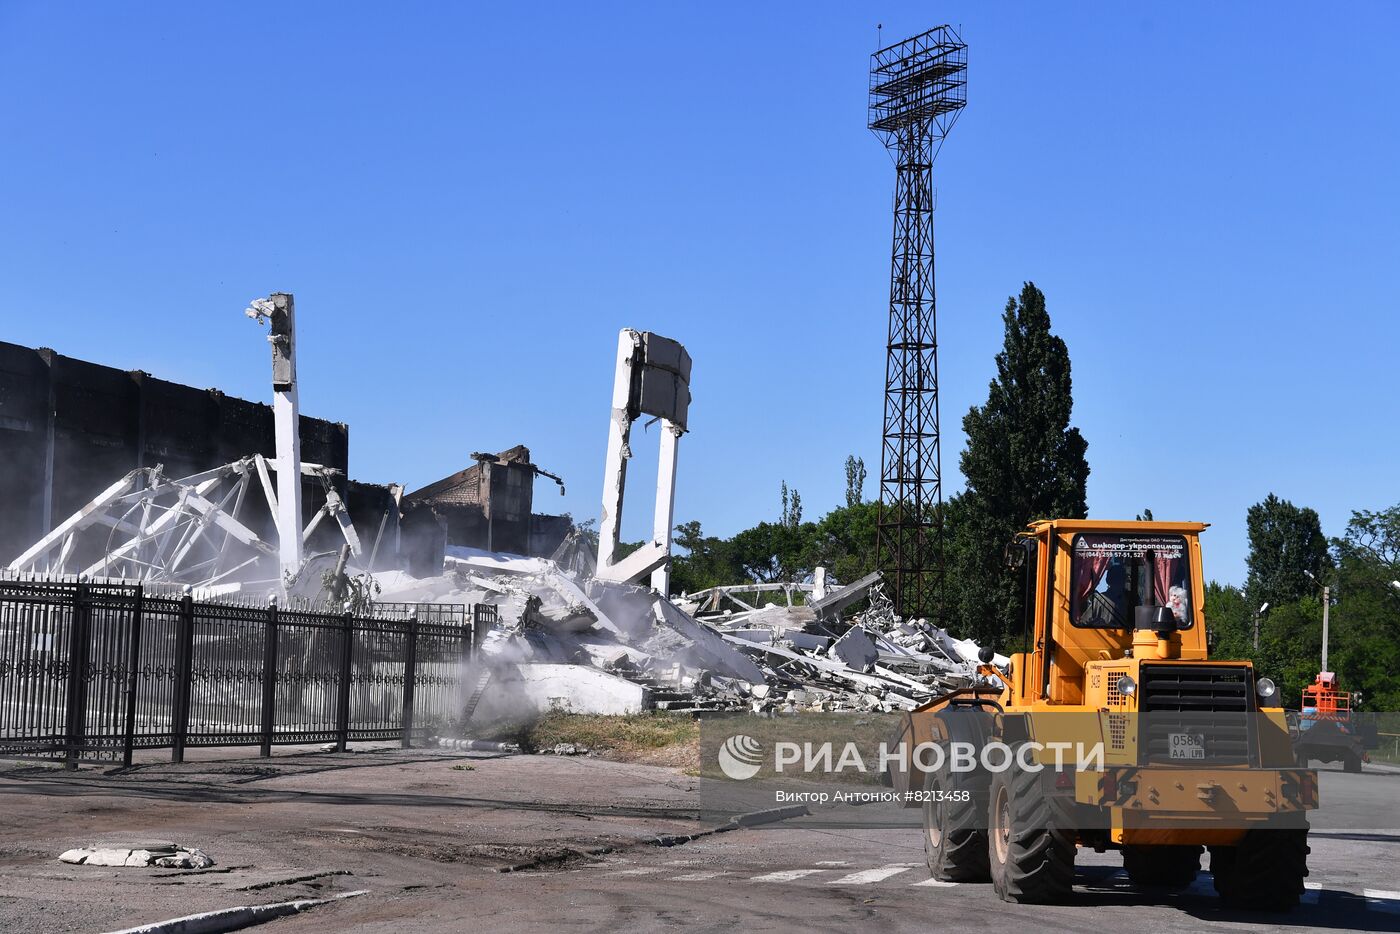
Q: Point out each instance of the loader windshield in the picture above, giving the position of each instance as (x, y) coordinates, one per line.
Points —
(1111, 574)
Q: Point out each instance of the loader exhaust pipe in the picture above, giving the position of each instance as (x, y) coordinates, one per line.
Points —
(1154, 626)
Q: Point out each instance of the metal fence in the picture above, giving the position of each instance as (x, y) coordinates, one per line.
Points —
(93, 671)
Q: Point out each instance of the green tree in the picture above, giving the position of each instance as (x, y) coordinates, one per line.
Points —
(1023, 461)
(1286, 544)
(791, 515)
(1365, 625)
(705, 562)
(843, 542)
(1230, 624)
(855, 480)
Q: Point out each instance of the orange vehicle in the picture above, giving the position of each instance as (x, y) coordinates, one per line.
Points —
(1325, 729)
(1114, 729)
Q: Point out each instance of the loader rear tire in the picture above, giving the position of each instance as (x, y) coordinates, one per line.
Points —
(955, 842)
(1264, 872)
(1165, 867)
(1031, 841)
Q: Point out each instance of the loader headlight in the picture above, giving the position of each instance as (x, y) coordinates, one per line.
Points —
(1127, 686)
(1265, 688)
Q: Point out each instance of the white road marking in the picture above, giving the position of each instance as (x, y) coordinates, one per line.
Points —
(700, 876)
(786, 875)
(934, 884)
(640, 871)
(833, 862)
(867, 876)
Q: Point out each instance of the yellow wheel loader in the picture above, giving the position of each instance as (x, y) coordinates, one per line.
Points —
(1114, 730)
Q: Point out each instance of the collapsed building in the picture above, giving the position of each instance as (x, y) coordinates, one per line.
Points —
(226, 496)
(80, 439)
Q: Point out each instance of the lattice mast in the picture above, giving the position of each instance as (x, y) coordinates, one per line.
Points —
(917, 89)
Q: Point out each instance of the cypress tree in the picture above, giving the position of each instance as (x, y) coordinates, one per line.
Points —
(1023, 461)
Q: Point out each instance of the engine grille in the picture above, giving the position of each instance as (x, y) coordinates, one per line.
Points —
(1212, 700)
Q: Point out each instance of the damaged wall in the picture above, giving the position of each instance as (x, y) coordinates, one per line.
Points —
(68, 428)
(490, 506)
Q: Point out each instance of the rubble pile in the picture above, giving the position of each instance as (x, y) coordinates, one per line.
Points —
(688, 653)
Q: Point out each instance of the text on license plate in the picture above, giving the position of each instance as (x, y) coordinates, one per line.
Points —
(1187, 745)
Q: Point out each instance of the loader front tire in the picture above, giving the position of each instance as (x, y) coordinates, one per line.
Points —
(1031, 840)
(1264, 872)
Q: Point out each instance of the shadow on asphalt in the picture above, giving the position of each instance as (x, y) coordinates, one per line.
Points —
(1106, 886)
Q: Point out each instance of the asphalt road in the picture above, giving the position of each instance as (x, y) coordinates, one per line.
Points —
(806, 875)
(791, 878)
(426, 837)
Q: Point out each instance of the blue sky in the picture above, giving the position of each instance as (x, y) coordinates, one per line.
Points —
(469, 201)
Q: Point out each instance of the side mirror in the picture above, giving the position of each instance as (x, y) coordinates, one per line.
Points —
(1014, 555)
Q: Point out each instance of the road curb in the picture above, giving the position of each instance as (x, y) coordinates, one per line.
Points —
(233, 919)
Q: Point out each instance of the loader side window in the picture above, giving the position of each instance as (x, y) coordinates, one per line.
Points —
(1111, 574)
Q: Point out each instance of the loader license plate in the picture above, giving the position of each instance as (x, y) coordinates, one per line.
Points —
(1188, 745)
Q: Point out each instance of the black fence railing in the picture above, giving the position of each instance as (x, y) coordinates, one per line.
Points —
(94, 671)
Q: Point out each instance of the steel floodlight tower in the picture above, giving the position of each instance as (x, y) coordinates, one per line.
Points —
(918, 88)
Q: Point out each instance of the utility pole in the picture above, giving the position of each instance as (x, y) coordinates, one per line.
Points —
(1326, 604)
(1326, 607)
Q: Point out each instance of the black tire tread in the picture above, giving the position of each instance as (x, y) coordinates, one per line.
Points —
(1264, 872)
(1040, 860)
(963, 856)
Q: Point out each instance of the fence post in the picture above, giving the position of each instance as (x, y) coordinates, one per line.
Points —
(267, 725)
(133, 661)
(184, 668)
(75, 725)
(410, 674)
(469, 643)
(342, 705)
(479, 626)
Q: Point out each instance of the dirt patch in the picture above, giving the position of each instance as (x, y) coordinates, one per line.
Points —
(495, 856)
(653, 738)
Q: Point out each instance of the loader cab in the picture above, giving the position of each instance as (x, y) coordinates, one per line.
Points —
(1101, 591)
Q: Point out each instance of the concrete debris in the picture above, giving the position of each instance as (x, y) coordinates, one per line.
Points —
(569, 641)
(478, 745)
(568, 749)
(162, 855)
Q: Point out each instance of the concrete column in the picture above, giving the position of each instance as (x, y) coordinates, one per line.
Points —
(619, 433)
(280, 313)
(665, 516)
